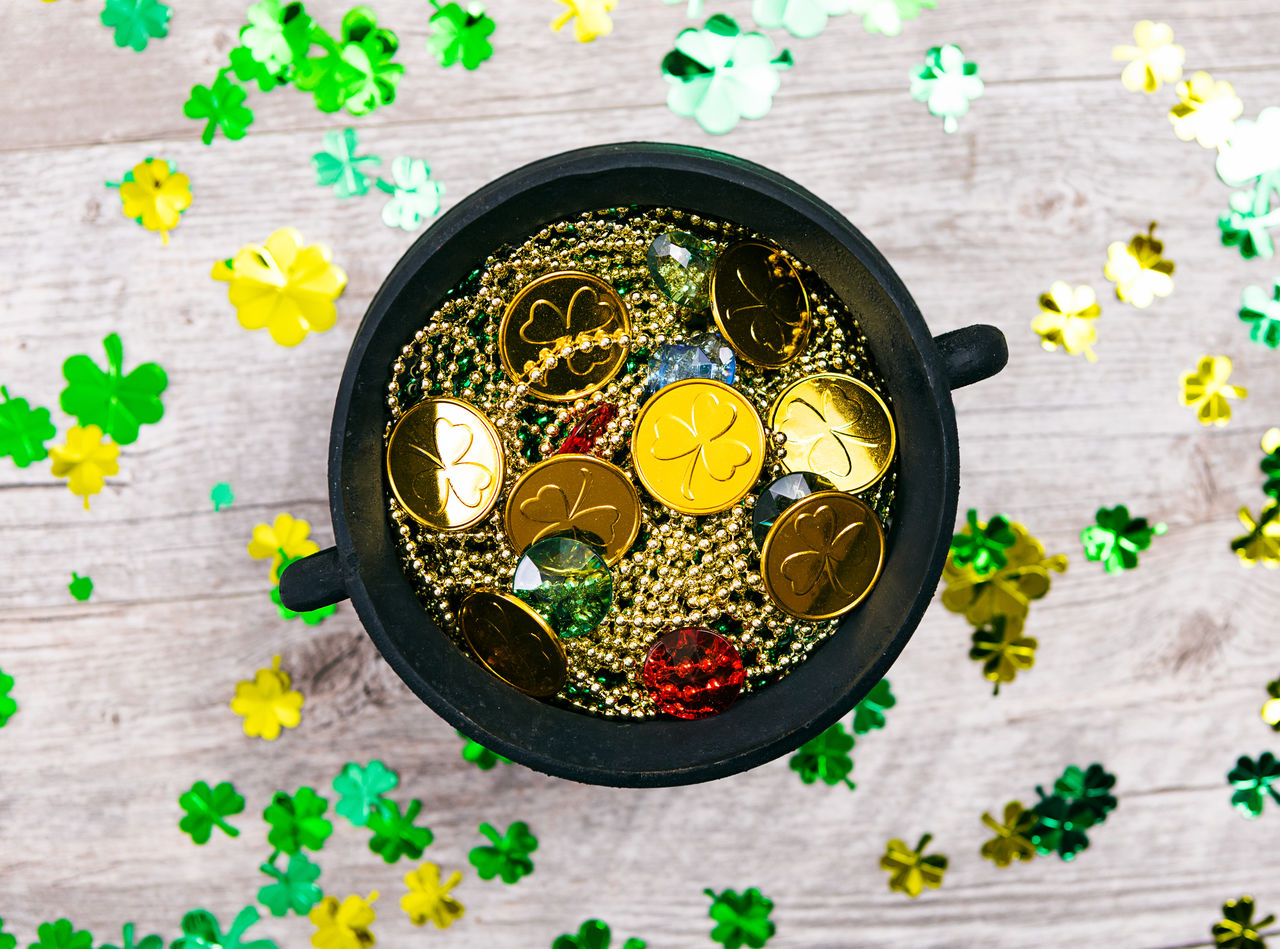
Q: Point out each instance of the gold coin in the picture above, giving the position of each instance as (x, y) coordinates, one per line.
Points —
(563, 308)
(822, 556)
(444, 462)
(513, 642)
(760, 304)
(576, 495)
(836, 427)
(698, 446)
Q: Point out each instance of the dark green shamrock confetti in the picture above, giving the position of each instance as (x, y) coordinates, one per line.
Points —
(23, 430)
(62, 935)
(294, 887)
(826, 757)
(360, 790)
(869, 713)
(1261, 310)
(206, 808)
(355, 71)
(459, 35)
(127, 940)
(1250, 215)
(297, 820)
(8, 705)
(136, 22)
(1254, 782)
(1061, 825)
(983, 545)
(201, 930)
(1271, 463)
(742, 919)
(479, 755)
(394, 835)
(80, 587)
(7, 940)
(1238, 929)
(1091, 787)
(339, 167)
(221, 106)
(277, 39)
(222, 496)
(508, 857)
(1116, 538)
(593, 934)
(116, 402)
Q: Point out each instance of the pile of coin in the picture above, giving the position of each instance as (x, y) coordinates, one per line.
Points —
(640, 463)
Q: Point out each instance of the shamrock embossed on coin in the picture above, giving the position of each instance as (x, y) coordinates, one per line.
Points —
(760, 304)
(513, 642)
(837, 427)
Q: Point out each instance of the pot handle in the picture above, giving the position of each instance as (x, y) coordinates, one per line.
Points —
(970, 354)
(313, 582)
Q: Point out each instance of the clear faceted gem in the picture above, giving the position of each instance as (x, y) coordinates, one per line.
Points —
(567, 583)
(693, 673)
(780, 495)
(704, 356)
(681, 266)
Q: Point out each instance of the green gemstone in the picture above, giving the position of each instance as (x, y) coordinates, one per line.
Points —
(567, 584)
(681, 267)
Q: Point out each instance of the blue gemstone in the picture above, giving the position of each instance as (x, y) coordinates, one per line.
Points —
(704, 356)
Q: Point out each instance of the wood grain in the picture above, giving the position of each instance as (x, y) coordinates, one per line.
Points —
(1158, 673)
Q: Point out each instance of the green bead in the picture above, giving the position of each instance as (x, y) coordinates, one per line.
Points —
(567, 584)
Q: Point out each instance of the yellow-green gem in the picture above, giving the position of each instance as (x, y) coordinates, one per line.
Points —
(567, 583)
(680, 265)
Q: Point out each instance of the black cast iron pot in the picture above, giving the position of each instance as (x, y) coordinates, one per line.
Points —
(918, 370)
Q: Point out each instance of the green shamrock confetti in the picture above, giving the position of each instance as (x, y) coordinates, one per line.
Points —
(1250, 215)
(294, 887)
(8, 705)
(80, 587)
(947, 84)
(7, 940)
(1254, 781)
(508, 858)
(826, 757)
(1061, 825)
(222, 496)
(62, 935)
(247, 69)
(1117, 538)
(206, 809)
(1237, 929)
(593, 934)
(742, 919)
(869, 713)
(355, 72)
(394, 835)
(127, 941)
(222, 106)
(459, 35)
(1091, 787)
(719, 74)
(983, 545)
(297, 820)
(1002, 652)
(887, 16)
(277, 37)
(115, 402)
(802, 18)
(360, 790)
(414, 196)
(479, 755)
(338, 166)
(1270, 463)
(1262, 311)
(201, 930)
(311, 617)
(136, 22)
(23, 430)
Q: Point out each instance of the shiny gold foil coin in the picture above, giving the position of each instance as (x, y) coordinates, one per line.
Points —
(563, 308)
(760, 304)
(836, 427)
(822, 556)
(444, 462)
(698, 446)
(513, 642)
(577, 496)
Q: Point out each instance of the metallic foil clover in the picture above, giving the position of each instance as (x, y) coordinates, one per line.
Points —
(1007, 591)
(947, 84)
(1067, 319)
(1206, 390)
(1153, 61)
(1238, 929)
(1012, 840)
(910, 871)
(1116, 538)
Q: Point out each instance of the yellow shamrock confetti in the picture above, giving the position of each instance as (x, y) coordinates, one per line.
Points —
(1066, 319)
(1271, 707)
(283, 286)
(1206, 390)
(267, 703)
(85, 460)
(285, 539)
(428, 899)
(1207, 111)
(1261, 545)
(156, 196)
(909, 870)
(590, 18)
(1012, 838)
(1139, 270)
(1006, 592)
(343, 925)
(1155, 60)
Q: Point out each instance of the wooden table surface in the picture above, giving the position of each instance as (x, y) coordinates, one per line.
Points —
(1157, 673)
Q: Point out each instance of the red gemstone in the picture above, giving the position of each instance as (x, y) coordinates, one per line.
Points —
(582, 440)
(693, 673)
